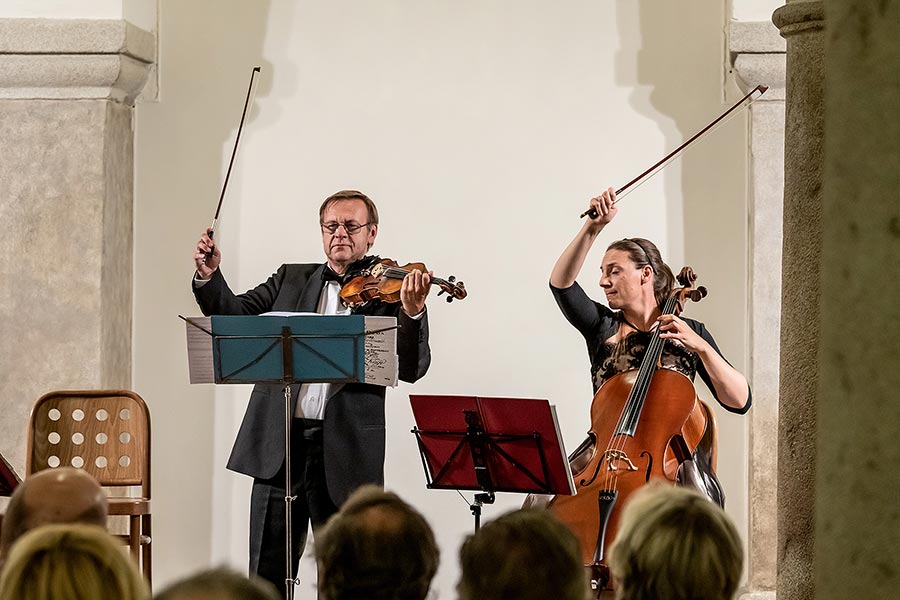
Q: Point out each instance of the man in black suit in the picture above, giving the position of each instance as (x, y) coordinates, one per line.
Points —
(338, 429)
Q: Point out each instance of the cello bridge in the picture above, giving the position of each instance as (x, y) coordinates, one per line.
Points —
(617, 460)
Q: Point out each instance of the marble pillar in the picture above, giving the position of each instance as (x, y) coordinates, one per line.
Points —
(67, 90)
(802, 25)
(857, 526)
(758, 57)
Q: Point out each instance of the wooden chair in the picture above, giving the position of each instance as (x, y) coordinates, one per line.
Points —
(106, 433)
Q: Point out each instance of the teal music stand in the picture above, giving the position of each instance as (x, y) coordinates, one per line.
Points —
(287, 349)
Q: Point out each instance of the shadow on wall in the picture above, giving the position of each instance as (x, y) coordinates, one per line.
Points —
(207, 51)
(679, 86)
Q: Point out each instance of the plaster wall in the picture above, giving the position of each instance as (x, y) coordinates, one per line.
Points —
(138, 12)
(480, 129)
(753, 10)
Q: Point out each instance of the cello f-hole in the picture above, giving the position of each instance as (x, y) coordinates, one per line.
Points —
(649, 465)
(585, 483)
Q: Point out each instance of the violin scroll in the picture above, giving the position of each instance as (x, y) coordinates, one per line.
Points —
(455, 290)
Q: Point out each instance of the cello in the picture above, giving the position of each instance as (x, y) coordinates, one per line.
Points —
(654, 427)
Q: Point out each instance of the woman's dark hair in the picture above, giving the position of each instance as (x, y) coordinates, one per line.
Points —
(644, 252)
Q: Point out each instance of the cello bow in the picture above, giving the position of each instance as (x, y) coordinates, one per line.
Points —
(664, 161)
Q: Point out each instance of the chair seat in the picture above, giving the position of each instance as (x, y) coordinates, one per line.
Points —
(124, 506)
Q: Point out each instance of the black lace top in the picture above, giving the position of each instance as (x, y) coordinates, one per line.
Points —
(598, 323)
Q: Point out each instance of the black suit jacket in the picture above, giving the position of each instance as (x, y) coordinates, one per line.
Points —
(353, 435)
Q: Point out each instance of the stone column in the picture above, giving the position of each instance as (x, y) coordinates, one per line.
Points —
(802, 25)
(67, 90)
(857, 533)
(758, 58)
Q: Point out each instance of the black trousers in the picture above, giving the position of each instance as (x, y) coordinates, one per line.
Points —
(267, 506)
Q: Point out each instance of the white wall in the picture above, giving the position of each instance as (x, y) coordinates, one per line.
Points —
(138, 12)
(62, 9)
(755, 10)
(480, 129)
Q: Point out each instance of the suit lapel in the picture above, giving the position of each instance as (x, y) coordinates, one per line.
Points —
(309, 296)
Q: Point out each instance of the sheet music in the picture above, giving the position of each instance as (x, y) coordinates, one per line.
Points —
(381, 366)
(200, 350)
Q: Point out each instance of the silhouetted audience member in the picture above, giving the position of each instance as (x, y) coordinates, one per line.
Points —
(61, 495)
(525, 554)
(674, 544)
(70, 562)
(219, 584)
(377, 547)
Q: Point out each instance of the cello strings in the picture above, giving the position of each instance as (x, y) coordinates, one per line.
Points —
(639, 390)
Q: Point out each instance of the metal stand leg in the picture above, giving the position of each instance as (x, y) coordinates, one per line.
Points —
(289, 580)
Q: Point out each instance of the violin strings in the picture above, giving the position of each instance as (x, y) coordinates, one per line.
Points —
(398, 273)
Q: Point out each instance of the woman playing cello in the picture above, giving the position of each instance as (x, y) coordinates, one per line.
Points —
(637, 284)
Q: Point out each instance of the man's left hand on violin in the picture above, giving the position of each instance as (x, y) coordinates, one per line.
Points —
(414, 291)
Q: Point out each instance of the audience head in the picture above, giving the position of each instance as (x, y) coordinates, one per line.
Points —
(61, 495)
(219, 584)
(674, 544)
(376, 547)
(70, 562)
(525, 554)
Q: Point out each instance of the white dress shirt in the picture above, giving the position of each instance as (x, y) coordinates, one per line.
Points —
(314, 396)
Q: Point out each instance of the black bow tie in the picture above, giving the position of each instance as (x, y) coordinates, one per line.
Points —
(328, 274)
(353, 270)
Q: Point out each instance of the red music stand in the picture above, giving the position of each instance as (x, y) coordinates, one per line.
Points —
(9, 481)
(491, 445)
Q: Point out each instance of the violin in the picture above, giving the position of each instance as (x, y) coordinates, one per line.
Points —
(382, 281)
(646, 424)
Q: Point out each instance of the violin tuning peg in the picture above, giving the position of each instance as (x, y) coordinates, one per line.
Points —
(449, 298)
(440, 292)
(451, 279)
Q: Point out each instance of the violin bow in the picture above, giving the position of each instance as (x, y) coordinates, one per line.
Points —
(664, 161)
(212, 228)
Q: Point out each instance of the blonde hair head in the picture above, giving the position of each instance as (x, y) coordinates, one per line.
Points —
(675, 544)
(70, 562)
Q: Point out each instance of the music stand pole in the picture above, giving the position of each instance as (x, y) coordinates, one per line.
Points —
(480, 500)
(289, 581)
(287, 353)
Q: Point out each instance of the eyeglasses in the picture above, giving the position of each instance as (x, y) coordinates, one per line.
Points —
(350, 227)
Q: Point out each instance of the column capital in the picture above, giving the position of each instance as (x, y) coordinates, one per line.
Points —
(74, 59)
(797, 17)
(758, 57)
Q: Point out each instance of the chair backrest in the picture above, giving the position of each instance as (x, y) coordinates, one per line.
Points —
(105, 432)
